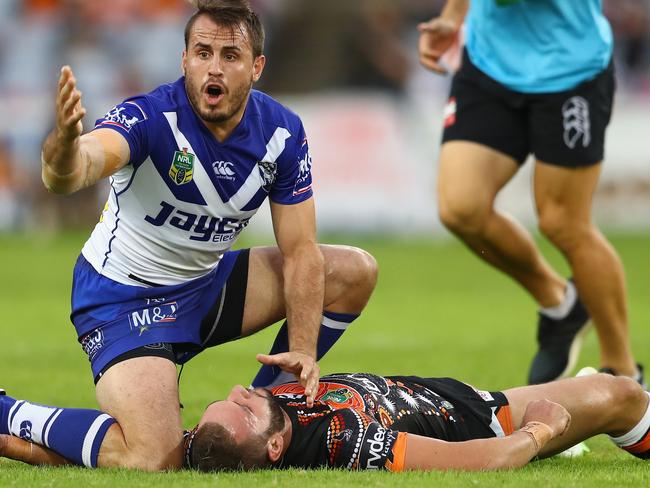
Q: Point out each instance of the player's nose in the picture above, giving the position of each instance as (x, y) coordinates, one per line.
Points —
(215, 67)
(237, 392)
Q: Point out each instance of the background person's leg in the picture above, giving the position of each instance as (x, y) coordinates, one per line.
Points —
(469, 178)
(563, 197)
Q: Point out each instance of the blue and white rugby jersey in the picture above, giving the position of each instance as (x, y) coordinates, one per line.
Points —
(184, 197)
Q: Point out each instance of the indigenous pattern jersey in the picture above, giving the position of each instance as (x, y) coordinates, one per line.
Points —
(361, 421)
(184, 197)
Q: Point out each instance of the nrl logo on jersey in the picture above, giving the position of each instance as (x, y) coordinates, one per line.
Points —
(268, 172)
(182, 169)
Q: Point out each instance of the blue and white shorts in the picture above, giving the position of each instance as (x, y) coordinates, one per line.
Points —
(113, 319)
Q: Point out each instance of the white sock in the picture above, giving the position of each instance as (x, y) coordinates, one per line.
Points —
(561, 310)
(637, 433)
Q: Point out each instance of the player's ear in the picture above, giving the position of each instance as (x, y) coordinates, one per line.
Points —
(274, 447)
(184, 61)
(258, 66)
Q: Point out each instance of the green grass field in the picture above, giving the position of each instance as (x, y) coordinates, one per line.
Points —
(437, 311)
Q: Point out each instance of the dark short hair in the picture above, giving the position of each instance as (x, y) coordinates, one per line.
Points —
(231, 14)
(215, 449)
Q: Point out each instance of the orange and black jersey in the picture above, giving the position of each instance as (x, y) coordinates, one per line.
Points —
(361, 421)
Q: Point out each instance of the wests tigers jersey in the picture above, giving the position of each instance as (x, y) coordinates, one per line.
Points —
(184, 197)
(361, 421)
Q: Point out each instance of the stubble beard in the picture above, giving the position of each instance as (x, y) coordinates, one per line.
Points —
(276, 414)
(237, 100)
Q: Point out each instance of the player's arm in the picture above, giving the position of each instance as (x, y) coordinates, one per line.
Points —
(513, 451)
(27, 452)
(72, 161)
(304, 282)
(440, 33)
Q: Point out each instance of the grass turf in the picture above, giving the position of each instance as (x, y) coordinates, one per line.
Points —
(437, 311)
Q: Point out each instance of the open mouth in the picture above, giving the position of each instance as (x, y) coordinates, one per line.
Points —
(214, 93)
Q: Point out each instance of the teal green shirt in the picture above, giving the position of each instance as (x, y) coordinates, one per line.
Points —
(537, 46)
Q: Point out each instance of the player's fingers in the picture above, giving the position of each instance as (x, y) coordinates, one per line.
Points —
(431, 51)
(266, 359)
(312, 387)
(310, 393)
(567, 423)
(64, 94)
(309, 400)
(309, 379)
(431, 27)
(273, 359)
(68, 87)
(71, 103)
(66, 73)
(76, 117)
(433, 64)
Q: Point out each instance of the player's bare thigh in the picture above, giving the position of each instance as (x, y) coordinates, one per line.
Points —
(563, 196)
(469, 177)
(350, 277)
(142, 395)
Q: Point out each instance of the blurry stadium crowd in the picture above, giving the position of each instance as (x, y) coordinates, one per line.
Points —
(120, 48)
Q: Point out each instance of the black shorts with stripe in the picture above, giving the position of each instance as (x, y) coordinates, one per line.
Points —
(565, 128)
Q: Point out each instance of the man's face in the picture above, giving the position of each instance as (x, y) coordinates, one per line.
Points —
(245, 413)
(219, 70)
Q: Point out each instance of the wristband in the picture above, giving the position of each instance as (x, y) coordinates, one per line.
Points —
(539, 432)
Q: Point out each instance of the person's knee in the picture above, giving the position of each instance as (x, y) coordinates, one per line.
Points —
(358, 268)
(627, 392)
(463, 216)
(623, 394)
(365, 267)
(350, 277)
(563, 230)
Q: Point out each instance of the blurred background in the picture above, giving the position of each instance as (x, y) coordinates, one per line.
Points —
(348, 67)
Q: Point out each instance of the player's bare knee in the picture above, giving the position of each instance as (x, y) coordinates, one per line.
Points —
(628, 392)
(627, 401)
(365, 268)
(621, 391)
(564, 230)
(463, 218)
(351, 274)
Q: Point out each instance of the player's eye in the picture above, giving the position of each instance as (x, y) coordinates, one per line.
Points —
(204, 54)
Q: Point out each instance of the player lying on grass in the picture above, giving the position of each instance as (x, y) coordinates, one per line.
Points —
(363, 421)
